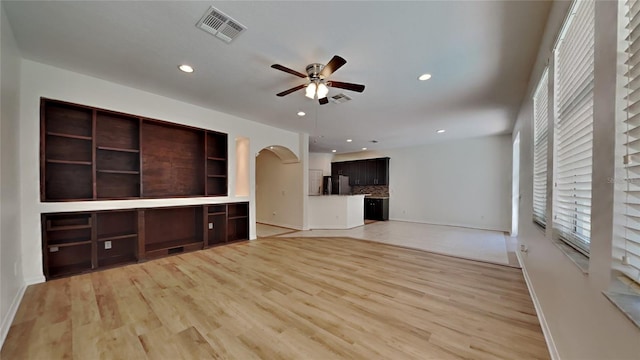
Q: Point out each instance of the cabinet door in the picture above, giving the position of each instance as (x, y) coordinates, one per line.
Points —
(371, 172)
(382, 172)
(352, 170)
(337, 168)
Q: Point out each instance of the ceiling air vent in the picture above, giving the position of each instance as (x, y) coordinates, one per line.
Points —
(221, 25)
(340, 98)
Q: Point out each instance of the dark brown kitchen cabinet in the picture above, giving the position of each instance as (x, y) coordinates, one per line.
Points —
(379, 174)
(75, 243)
(376, 209)
(88, 153)
(363, 172)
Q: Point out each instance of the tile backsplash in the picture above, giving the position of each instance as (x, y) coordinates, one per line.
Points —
(374, 190)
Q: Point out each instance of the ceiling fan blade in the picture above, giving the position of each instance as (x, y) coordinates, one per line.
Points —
(287, 70)
(333, 65)
(347, 86)
(293, 89)
(323, 101)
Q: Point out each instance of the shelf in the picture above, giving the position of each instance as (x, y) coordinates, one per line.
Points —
(237, 217)
(216, 176)
(217, 213)
(69, 136)
(69, 227)
(216, 158)
(75, 243)
(171, 244)
(108, 148)
(69, 162)
(73, 269)
(117, 237)
(118, 260)
(127, 172)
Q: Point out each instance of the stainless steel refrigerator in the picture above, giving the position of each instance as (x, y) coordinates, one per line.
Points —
(340, 185)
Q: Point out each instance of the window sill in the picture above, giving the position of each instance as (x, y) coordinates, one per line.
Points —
(625, 295)
(578, 258)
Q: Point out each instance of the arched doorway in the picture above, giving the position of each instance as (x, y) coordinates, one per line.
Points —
(279, 188)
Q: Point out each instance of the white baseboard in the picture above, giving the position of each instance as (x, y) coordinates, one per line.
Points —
(466, 226)
(11, 314)
(34, 280)
(551, 345)
(274, 223)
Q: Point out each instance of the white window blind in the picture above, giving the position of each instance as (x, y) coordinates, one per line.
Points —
(632, 145)
(540, 142)
(574, 127)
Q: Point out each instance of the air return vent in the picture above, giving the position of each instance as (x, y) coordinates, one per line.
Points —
(220, 25)
(340, 98)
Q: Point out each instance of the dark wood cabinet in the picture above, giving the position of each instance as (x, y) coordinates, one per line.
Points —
(66, 161)
(95, 154)
(380, 172)
(172, 230)
(376, 209)
(74, 243)
(363, 172)
(216, 164)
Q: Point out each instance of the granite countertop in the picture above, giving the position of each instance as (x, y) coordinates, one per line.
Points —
(376, 197)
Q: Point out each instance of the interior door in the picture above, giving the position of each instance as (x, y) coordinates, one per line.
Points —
(315, 182)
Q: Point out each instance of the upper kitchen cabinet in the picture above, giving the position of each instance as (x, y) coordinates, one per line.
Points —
(363, 172)
(380, 176)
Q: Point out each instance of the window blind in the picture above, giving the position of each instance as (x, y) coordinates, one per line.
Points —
(632, 145)
(540, 141)
(574, 127)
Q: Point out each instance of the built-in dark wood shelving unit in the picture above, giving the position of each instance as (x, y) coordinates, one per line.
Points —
(67, 249)
(96, 154)
(74, 243)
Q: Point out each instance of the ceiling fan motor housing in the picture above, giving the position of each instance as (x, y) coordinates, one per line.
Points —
(313, 71)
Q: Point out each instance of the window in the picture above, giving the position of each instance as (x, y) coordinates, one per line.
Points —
(540, 142)
(573, 145)
(631, 261)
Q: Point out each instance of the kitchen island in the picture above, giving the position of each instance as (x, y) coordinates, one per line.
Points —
(336, 211)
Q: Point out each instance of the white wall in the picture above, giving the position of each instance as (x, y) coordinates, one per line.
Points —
(321, 161)
(581, 322)
(462, 182)
(279, 199)
(11, 281)
(39, 80)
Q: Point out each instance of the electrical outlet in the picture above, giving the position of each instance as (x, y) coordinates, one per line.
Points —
(107, 245)
(210, 226)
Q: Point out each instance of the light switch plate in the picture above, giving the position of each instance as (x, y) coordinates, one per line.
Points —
(210, 226)
(107, 245)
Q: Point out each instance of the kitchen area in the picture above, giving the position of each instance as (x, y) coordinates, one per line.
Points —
(356, 191)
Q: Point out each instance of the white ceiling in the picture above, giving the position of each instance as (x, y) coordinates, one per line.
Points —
(480, 54)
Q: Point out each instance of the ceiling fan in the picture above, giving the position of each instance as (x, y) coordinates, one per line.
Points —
(318, 85)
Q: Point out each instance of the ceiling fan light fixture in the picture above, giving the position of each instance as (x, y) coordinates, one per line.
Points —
(311, 90)
(322, 91)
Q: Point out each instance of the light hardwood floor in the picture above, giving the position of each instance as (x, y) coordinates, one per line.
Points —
(283, 298)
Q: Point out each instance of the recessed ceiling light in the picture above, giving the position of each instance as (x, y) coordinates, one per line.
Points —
(301, 113)
(186, 68)
(364, 148)
(424, 77)
(441, 131)
(349, 140)
(334, 150)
